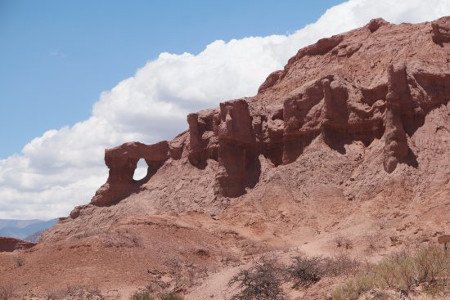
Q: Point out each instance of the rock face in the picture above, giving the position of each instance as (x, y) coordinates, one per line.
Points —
(122, 162)
(441, 31)
(8, 244)
(332, 106)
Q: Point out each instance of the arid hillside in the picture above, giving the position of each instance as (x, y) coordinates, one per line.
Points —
(346, 151)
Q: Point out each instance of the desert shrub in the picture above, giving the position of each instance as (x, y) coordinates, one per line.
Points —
(75, 292)
(428, 267)
(262, 282)
(353, 288)
(305, 271)
(148, 295)
(339, 265)
(397, 272)
(6, 292)
(432, 264)
(142, 295)
(171, 296)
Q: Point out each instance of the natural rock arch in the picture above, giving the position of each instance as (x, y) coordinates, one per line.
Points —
(122, 162)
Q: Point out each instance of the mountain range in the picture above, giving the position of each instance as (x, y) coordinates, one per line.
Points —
(24, 229)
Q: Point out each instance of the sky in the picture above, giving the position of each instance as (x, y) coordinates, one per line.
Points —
(58, 56)
(77, 77)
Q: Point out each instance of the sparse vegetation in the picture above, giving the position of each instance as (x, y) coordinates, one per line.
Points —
(148, 295)
(306, 271)
(340, 265)
(76, 292)
(354, 288)
(142, 295)
(428, 268)
(262, 281)
(171, 296)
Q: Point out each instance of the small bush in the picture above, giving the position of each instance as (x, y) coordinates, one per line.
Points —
(142, 295)
(147, 295)
(171, 296)
(305, 271)
(354, 288)
(397, 271)
(339, 265)
(432, 264)
(261, 282)
(75, 292)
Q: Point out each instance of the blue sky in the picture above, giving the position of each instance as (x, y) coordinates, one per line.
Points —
(56, 57)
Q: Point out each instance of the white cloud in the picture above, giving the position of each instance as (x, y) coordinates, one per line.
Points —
(64, 167)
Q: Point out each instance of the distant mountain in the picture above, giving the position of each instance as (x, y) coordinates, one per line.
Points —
(22, 229)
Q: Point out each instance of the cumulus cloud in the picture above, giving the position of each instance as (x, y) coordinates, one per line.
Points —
(63, 168)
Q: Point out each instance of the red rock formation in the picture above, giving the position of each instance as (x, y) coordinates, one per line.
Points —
(122, 162)
(375, 24)
(8, 244)
(203, 142)
(337, 109)
(237, 148)
(399, 103)
(441, 30)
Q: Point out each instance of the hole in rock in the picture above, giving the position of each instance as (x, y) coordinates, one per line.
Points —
(141, 170)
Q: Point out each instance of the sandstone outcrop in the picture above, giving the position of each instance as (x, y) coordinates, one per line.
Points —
(122, 162)
(441, 31)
